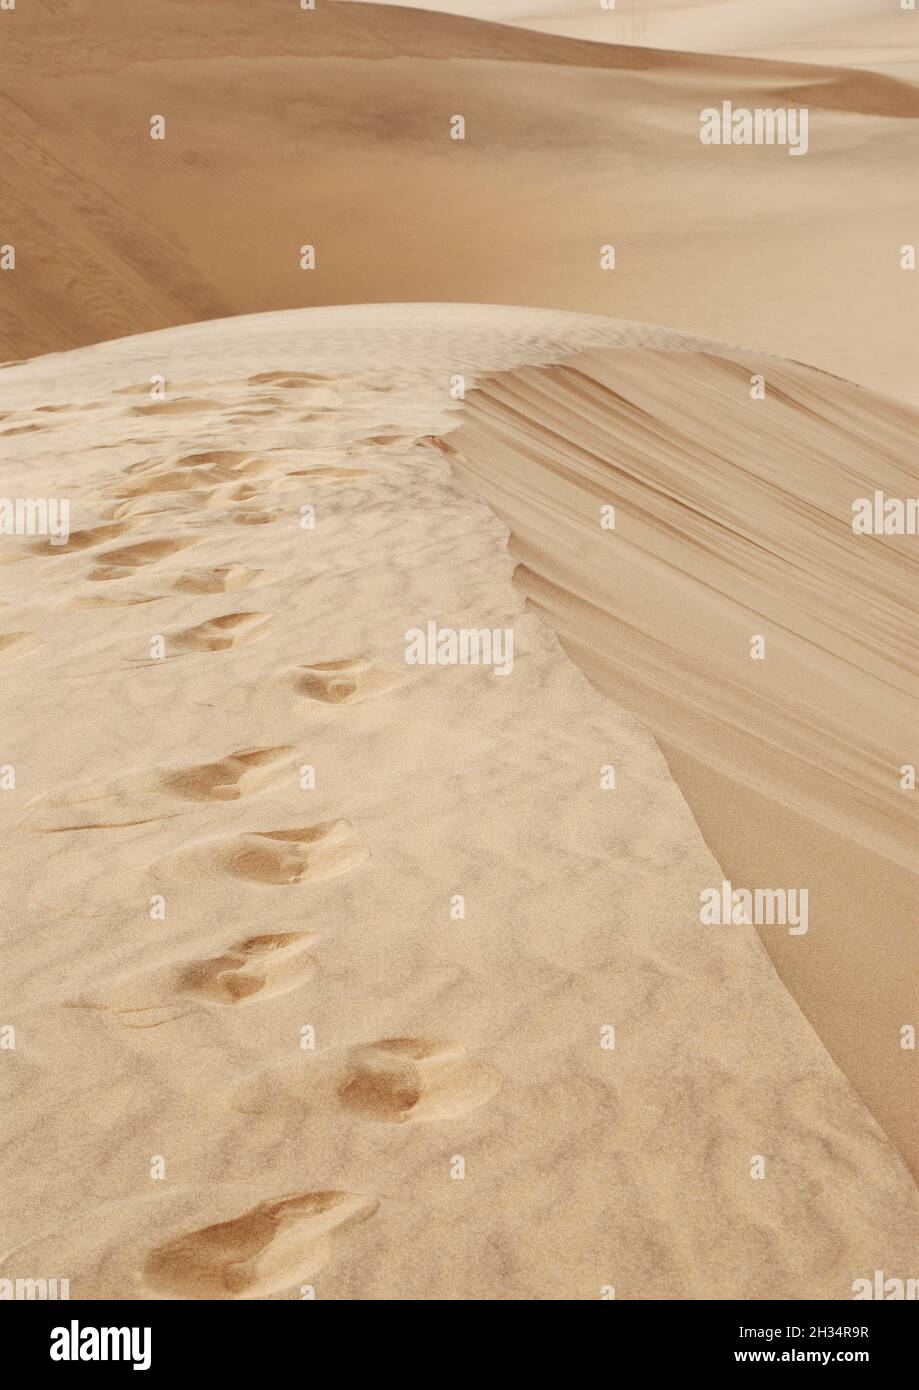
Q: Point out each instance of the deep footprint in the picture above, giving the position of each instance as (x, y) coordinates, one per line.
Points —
(306, 854)
(271, 1247)
(225, 780)
(220, 634)
(259, 966)
(342, 682)
(412, 1079)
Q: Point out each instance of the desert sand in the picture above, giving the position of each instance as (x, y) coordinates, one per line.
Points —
(733, 518)
(331, 128)
(875, 34)
(256, 1053)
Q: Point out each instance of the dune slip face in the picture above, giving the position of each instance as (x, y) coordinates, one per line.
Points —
(334, 974)
(686, 524)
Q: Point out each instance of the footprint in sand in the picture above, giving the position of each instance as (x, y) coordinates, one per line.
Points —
(220, 580)
(303, 855)
(186, 405)
(224, 465)
(412, 1079)
(258, 967)
(289, 380)
(343, 682)
(271, 1247)
(238, 774)
(255, 518)
(396, 437)
(82, 540)
(330, 474)
(15, 639)
(144, 796)
(219, 634)
(188, 473)
(112, 600)
(120, 562)
(251, 492)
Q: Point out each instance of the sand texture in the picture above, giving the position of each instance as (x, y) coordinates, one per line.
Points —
(457, 1129)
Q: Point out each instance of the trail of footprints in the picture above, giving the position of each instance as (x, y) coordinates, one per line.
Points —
(233, 480)
(282, 1241)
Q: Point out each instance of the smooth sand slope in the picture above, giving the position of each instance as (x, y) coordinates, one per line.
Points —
(733, 518)
(150, 1044)
(331, 128)
(873, 34)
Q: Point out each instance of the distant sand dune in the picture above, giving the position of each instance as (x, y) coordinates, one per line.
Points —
(331, 128)
(858, 33)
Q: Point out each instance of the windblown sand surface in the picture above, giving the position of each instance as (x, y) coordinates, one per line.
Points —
(331, 128)
(875, 34)
(733, 518)
(179, 782)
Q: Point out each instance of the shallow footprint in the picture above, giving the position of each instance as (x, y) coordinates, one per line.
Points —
(255, 517)
(302, 855)
(268, 1248)
(289, 380)
(110, 600)
(81, 540)
(124, 560)
(187, 405)
(143, 797)
(224, 465)
(330, 473)
(343, 682)
(14, 639)
(219, 634)
(227, 779)
(412, 1079)
(261, 966)
(220, 580)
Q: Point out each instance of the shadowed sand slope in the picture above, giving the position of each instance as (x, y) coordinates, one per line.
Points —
(331, 128)
(875, 34)
(733, 519)
(233, 955)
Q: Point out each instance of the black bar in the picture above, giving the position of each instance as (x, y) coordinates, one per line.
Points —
(264, 1338)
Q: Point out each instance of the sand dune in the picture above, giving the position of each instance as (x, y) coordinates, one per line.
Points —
(875, 34)
(733, 518)
(287, 128)
(258, 1053)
